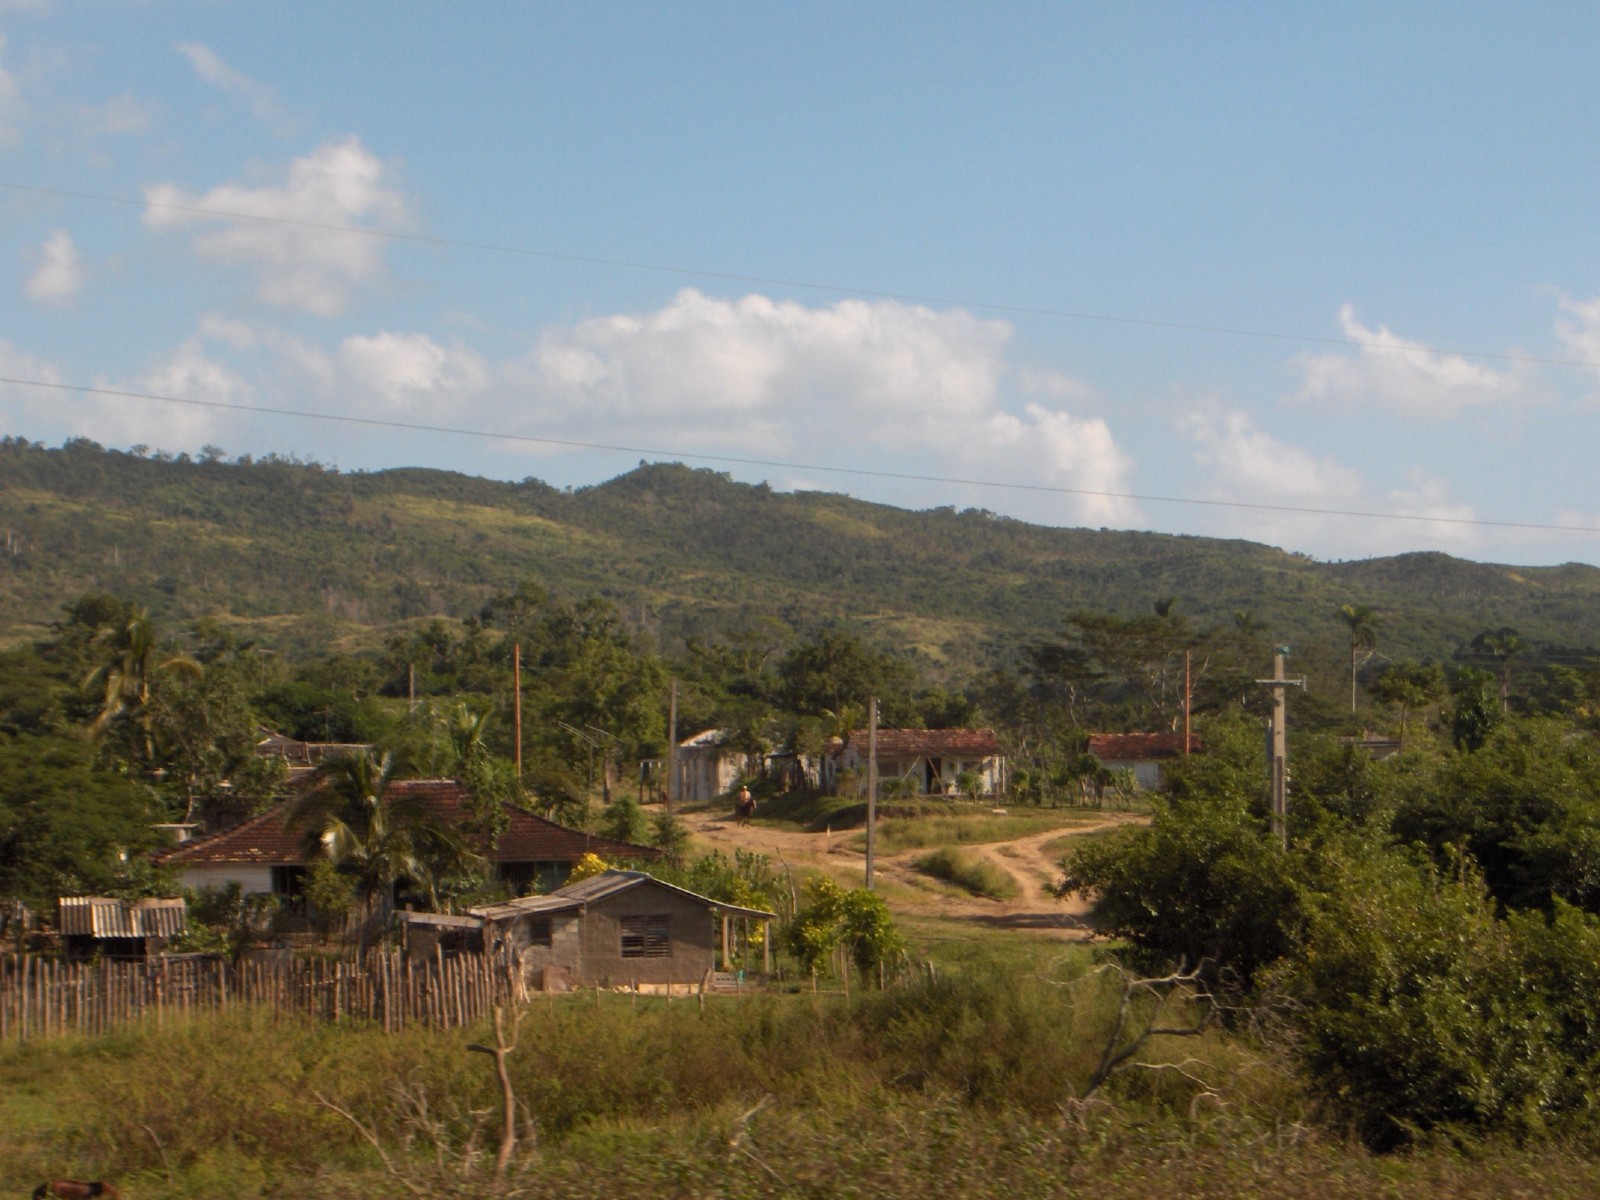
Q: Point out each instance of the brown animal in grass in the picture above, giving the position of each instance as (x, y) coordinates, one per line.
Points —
(744, 807)
(73, 1189)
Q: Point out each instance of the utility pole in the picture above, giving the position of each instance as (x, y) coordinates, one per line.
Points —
(1188, 696)
(672, 746)
(872, 785)
(1278, 745)
(516, 700)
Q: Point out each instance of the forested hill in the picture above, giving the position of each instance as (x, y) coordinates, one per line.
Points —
(303, 557)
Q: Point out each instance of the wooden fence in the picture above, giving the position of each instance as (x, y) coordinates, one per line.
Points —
(44, 997)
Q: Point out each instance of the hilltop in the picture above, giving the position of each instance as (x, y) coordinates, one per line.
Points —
(301, 557)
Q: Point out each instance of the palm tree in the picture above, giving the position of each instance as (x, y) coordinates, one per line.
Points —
(1504, 644)
(381, 839)
(1363, 623)
(125, 678)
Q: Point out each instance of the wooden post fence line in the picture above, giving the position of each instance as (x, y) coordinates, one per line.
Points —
(45, 997)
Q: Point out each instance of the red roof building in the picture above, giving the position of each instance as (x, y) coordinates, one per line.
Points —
(930, 760)
(1142, 753)
(266, 855)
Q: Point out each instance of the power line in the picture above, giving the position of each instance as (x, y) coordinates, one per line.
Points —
(780, 464)
(1009, 309)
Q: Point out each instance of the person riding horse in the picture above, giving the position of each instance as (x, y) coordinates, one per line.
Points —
(744, 807)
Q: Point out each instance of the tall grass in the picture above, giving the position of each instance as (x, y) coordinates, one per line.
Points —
(978, 876)
(962, 1084)
(916, 833)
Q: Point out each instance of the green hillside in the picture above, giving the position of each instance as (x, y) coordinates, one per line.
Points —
(302, 558)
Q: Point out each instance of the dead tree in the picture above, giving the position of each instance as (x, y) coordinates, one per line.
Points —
(1145, 1010)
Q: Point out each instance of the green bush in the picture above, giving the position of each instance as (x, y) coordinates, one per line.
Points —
(1424, 1013)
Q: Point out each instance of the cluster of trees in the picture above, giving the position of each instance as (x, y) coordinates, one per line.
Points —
(1431, 935)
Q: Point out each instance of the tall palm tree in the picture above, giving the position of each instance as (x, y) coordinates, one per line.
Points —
(1363, 624)
(1503, 644)
(125, 678)
(380, 838)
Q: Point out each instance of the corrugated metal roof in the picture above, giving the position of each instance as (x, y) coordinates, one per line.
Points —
(108, 917)
(447, 920)
(599, 887)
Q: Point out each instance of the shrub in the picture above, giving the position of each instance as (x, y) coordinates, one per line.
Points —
(975, 875)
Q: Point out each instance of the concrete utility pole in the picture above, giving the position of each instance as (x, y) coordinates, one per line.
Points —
(1278, 745)
(872, 784)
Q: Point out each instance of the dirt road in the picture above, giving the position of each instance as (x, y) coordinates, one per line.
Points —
(1026, 860)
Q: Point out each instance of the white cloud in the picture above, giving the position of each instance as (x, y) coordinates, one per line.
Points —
(186, 372)
(11, 103)
(211, 68)
(57, 276)
(878, 384)
(23, 408)
(1579, 329)
(1250, 467)
(279, 231)
(1404, 377)
(755, 357)
(413, 371)
(1046, 448)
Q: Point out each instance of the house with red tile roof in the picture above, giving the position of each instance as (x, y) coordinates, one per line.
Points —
(265, 854)
(1145, 754)
(930, 760)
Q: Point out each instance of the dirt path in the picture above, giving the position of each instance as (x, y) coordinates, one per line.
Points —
(1024, 859)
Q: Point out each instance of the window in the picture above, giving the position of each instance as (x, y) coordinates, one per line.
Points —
(538, 931)
(645, 937)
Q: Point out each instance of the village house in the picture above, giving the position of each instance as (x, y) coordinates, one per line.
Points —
(709, 767)
(1145, 754)
(618, 928)
(930, 760)
(265, 855)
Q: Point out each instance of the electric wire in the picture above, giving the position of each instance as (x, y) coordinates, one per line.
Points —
(781, 464)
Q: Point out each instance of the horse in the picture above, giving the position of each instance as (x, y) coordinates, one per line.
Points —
(73, 1189)
(744, 807)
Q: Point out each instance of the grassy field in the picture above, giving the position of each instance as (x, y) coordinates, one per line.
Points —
(966, 1079)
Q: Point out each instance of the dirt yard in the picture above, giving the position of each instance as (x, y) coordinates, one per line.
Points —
(1026, 860)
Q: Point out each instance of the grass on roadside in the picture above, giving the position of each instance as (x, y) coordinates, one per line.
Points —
(975, 875)
(971, 829)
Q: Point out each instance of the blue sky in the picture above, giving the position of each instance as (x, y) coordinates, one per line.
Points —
(893, 247)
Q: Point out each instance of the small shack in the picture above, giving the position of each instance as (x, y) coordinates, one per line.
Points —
(618, 928)
(92, 925)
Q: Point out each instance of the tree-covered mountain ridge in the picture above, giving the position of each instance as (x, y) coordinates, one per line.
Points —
(301, 557)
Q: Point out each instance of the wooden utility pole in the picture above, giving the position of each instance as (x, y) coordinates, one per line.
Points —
(516, 700)
(411, 687)
(1278, 745)
(1188, 697)
(872, 785)
(672, 745)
